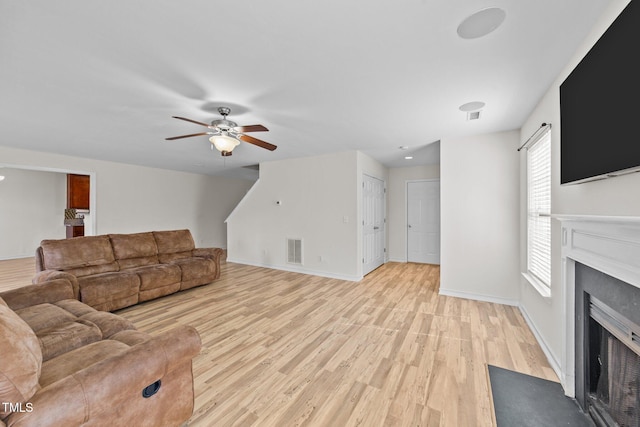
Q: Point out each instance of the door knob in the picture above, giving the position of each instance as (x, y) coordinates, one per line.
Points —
(376, 228)
(409, 225)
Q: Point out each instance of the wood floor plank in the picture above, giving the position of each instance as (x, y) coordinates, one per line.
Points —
(288, 349)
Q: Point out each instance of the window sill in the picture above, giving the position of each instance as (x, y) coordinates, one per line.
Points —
(543, 290)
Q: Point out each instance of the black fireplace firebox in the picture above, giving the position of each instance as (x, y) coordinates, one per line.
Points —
(607, 348)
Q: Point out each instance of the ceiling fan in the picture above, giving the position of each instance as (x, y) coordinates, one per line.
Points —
(226, 135)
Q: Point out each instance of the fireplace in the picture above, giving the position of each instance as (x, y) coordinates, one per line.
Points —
(600, 363)
(607, 348)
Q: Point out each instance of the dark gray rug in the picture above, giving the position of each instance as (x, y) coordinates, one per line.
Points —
(525, 401)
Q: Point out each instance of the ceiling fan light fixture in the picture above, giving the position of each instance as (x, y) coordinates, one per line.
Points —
(224, 143)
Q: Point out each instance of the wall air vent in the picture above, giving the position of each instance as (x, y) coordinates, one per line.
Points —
(294, 251)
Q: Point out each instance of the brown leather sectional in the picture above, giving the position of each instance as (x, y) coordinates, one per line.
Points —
(113, 271)
(63, 363)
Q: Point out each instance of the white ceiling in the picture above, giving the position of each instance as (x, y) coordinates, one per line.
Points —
(101, 80)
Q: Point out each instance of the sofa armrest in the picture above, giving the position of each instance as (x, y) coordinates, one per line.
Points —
(47, 275)
(213, 253)
(115, 381)
(51, 291)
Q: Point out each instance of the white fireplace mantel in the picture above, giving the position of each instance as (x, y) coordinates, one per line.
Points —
(610, 244)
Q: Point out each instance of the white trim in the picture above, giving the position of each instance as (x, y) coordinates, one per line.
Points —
(606, 243)
(543, 290)
(18, 257)
(478, 297)
(298, 270)
(629, 220)
(551, 358)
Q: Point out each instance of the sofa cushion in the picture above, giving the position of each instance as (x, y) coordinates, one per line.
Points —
(167, 258)
(69, 324)
(75, 307)
(194, 268)
(20, 359)
(76, 360)
(100, 289)
(93, 269)
(108, 323)
(174, 242)
(43, 316)
(134, 250)
(80, 256)
(67, 336)
(157, 276)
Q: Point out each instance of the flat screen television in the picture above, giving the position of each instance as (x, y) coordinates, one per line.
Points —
(600, 106)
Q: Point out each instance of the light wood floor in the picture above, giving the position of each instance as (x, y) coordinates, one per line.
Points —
(286, 349)
(15, 273)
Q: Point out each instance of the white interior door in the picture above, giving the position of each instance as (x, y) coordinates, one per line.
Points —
(423, 221)
(373, 222)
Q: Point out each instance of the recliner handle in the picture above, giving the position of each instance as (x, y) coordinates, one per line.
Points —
(151, 389)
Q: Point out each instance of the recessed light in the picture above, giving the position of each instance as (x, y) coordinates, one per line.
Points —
(472, 106)
(1, 177)
(408, 157)
(481, 23)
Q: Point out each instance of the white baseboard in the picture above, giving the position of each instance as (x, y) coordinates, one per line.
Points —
(18, 256)
(478, 297)
(299, 270)
(553, 361)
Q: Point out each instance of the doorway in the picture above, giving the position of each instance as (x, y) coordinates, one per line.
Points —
(423, 221)
(34, 202)
(373, 223)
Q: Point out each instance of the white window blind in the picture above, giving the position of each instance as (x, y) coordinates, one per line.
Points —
(539, 209)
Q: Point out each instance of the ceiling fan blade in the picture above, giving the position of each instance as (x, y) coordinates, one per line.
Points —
(250, 128)
(188, 136)
(258, 142)
(192, 121)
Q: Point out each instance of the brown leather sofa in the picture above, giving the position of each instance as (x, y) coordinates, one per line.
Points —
(113, 271)
(63, 363)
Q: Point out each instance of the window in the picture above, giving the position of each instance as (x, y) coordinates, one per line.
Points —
(539, 213)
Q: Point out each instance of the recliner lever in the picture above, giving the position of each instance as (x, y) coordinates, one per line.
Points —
(151, 389)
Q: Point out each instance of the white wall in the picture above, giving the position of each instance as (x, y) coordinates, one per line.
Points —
(133, 198)
(613, 196)
(479, 181)
(32, 207)
(319, 205)
(397, 202)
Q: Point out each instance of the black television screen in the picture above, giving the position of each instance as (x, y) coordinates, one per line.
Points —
(600, 105)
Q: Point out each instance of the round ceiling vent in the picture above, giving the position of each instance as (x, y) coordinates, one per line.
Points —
(472, 106)
(481, 23)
